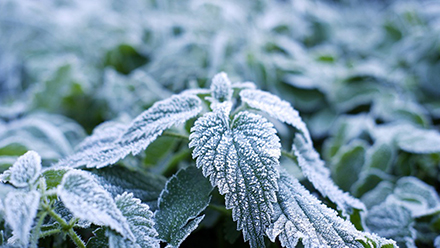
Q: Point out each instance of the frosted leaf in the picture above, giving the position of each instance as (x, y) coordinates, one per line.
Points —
(315, 171)
(276, 108)
(221, 89)
(20, 210)
(299, 215)
(111, 143)
(140, 220)
(145, 186)
(378, 195)
(416, 140)
(437, 242)
(99, 149)
(308, 159)
(87, 200)
(392, 220)
(162, 115)
(25, 171)
(240, 159)
(185, 196)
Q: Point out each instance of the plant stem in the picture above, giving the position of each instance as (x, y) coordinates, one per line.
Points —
(36, 230)
(50, 232)
(67, 227)
(176, 135)
(289, 155)
(220, 209)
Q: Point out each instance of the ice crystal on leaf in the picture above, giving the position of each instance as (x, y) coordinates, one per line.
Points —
(140, 221)
(240, 158)
(109, 143)
(87, 200)
(308, 159)
(25, 170)
(300, 216)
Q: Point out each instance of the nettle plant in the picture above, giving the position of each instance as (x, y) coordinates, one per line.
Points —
(236, 150)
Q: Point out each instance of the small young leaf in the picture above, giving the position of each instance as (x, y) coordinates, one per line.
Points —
(221, 89)
(140, 220)
(299, 215)
(20, 211)
(87, 200)
(240, 159)
(54, 176)
(25, 170)
(106, 147)
(185, 196)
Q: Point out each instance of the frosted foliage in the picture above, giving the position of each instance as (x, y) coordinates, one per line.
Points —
(391, 220)
(87, 200)
(275, 107)
(417, 140)
(20, 211)
(221, 87)
(319, 175)
(185, 196)
(140, 220)
(312, 166)
(24, 171)
(299, 215)
(240, 159)
(111, 143)
(437, 242)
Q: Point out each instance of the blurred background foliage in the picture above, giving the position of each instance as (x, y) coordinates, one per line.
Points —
(365, 76)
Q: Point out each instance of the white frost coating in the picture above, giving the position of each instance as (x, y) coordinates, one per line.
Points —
(20, 211)
(87, 200)
(221, 90)
(25, 170)
(244, 85)
(111, 144)
(308, 159)
(299, 215)
(319, 175)
(276, 108)
(140, 220)
(240, 158)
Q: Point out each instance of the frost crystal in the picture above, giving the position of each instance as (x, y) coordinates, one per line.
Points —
(140, 220)
(240, 159)
(299, 215)
(109, 144)
(25, 170)
(87, 200)
(20, 211)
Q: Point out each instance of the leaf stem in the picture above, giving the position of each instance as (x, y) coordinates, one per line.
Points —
(289, 155)
(37, 229)
(67, 227)
(176, 135)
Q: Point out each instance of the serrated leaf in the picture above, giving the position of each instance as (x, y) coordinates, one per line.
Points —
(87, 200)
(221, 89)
(308, 159)
(25, 171)
(276, 108)
(20, 210)
(144, 186)
(107, 147)
(240, 159)
(315, 171)
(392, 220)
(140, 220)
(185, 196)
(300, 216)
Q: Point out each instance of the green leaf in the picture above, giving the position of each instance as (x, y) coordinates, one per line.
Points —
(140, 220)
(144, 186)
(111, 143)
(416, 140)
(185, 196)
(20, 209)
(87, 200)
(54, 176)
(240, 159)
(25, 170)
(300, 216)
